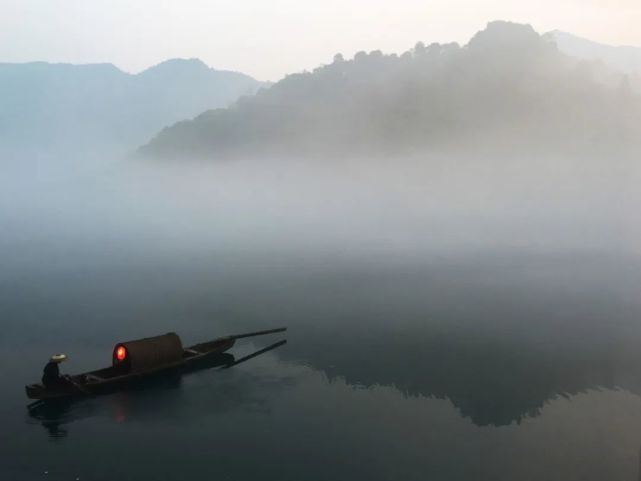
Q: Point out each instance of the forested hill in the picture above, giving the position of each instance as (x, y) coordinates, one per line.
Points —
(68, 108)
(509, 88)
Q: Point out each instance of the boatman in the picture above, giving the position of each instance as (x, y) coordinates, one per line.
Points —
(51, 374)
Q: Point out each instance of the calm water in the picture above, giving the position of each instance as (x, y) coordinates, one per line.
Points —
(516, 366)
(459, 360)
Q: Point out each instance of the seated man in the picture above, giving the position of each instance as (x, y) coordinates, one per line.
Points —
(51, 374)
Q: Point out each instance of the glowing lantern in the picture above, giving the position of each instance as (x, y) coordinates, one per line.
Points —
(121, 353)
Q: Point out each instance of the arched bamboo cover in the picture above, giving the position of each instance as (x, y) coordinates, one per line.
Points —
(149, 353)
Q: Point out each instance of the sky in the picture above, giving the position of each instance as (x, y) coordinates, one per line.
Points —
(270, 38)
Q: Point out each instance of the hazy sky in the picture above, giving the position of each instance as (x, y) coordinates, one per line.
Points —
(269, 38)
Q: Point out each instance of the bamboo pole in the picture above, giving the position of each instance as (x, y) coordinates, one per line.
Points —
(259, 333)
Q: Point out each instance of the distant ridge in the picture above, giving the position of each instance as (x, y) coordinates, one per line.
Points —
(64, 107)
(623, 58)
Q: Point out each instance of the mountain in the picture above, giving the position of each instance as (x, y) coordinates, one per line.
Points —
(624, 59)
(62, 107)
(508, 89)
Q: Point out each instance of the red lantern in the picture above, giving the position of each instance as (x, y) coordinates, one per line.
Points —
(121, 353)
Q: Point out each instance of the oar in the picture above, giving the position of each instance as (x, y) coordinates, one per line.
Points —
(259, 333)
(257, 353)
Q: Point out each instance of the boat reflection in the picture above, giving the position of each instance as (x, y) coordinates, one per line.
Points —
(149, 397)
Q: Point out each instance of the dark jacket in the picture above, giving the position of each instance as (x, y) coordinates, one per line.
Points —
(51, 374)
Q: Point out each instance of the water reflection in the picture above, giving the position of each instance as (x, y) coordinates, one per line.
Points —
(490, 381)
(499, 336)
(499, 369)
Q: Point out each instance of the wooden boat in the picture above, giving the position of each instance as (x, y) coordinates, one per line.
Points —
(136, 360)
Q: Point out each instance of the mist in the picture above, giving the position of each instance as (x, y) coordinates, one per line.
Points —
(397, 205)
(496, 184)
(452, 230)
(260, 219)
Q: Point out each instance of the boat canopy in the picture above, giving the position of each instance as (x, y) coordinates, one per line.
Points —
(148, 353)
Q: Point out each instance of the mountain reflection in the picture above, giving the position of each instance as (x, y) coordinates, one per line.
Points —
(497, 341)
(496, 382)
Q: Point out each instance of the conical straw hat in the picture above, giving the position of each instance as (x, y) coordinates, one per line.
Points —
(58, 357)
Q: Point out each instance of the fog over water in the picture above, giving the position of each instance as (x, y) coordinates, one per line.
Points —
(466, 310)
(193, 234)
(470, 297)
(399, 207)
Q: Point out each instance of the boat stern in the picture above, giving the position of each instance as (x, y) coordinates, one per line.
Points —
(34, 391)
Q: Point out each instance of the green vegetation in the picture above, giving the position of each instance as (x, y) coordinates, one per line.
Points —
(508, 89)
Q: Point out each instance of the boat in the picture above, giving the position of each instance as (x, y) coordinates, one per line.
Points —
(134, 361)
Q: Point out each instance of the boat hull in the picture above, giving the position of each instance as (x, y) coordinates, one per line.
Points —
(110, 379)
